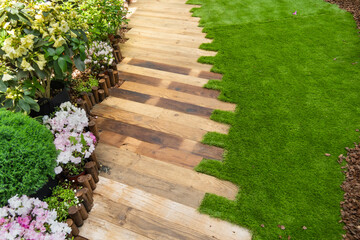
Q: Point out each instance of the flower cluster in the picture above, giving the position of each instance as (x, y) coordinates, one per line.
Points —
(99, 56)
(30, 218)
(70, 139)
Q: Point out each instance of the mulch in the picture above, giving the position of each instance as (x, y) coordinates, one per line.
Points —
(352, 6)
(350, 212)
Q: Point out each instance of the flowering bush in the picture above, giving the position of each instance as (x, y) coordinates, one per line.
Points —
(68, 125)
(30, 218)
(99, 56)
(38, 40)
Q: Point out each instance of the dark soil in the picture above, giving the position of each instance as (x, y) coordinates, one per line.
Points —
(350, 212)
(352, 6)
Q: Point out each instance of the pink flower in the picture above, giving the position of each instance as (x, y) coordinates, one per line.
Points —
(294, 13)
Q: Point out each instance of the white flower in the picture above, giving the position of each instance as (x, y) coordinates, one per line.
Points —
(26, 66)
(7, 77)
(58, 169)
(14, 202)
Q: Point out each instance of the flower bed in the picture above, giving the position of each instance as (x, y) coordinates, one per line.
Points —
(44, 45)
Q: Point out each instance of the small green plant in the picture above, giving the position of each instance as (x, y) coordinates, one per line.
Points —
(62, 198)
(27, 155)
(85, 86)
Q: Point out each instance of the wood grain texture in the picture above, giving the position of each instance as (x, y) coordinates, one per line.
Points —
(179, 96)
(143, 223)
(166, 115)
(160, 66)
(183, 131)
(171, 211)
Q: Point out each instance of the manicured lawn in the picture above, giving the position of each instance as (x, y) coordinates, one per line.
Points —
(295, 80)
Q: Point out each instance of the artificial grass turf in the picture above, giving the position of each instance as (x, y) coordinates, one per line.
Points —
(295, 80)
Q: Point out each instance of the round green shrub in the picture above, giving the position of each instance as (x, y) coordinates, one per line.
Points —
(27, 155)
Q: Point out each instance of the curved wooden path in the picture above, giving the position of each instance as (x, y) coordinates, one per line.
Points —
(151, 129)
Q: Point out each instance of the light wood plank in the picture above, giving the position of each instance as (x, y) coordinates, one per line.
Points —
(179, 96)
(166, 115)
(171, 211)
(141, 222)
(96, 227)
(165, 15)
(167, 35)
(166, 171)
(192, 53)
(191, 80)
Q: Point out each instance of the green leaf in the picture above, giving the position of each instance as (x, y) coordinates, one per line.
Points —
(2, 86)
(8, 103)
(59, 50)
(2, 18)
(58, 72)
(35, 106)
(51, 52)
(41, 74)
(24, 105)
(63, 64)
(55, 57)
(68, 59)
(29, 100)
(21, 74)
(79, 63)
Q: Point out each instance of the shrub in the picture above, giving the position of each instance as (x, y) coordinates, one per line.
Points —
(27, 156)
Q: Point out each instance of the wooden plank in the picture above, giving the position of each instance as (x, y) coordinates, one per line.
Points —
(174, 212)
(199, 91)
(161, 102)
(166, 171)
(183, 131)
(165, 57)
(184, 107)
(143, 37)
(155, 151)
(195, 81)
(97, 228)
(210, 75)
(133, 77)
(185, 52)
(166, 115)
(161, 138)
(159, 66)
(165, 15)
(169, 22)
(140, 222)
(129, 95)
(156, 34)
(161, 187)
(179, 96)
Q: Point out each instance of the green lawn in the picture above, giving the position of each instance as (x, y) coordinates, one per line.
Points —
(295, 81)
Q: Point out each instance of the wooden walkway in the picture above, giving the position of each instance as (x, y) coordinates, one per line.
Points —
(151, 129)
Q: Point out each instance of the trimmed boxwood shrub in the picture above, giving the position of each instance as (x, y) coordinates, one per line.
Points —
(27, 155)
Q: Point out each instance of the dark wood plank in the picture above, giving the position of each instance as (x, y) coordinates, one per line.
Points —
(140, 133)
(199, 91)
(132, 77)
(158, 152)
(207, 151)
(184, 107)
(160, 66)
(162, 102)
(129, 95)
(210, 75)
